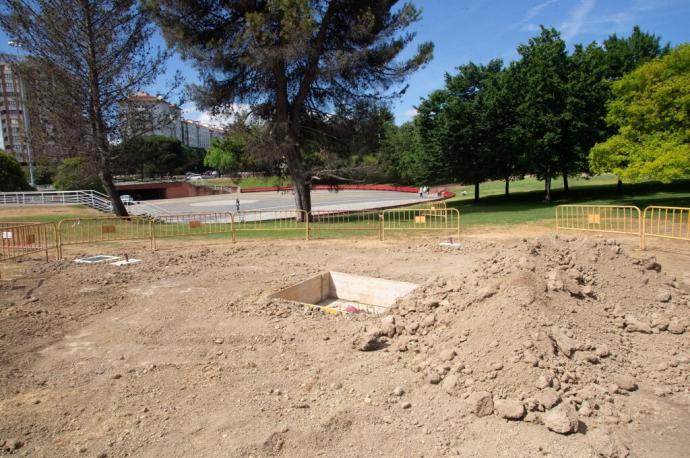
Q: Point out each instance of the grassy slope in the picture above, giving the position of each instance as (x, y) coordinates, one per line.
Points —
(525, 205)
(250, 182)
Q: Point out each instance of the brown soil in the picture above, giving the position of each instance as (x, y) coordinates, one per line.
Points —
(184, 355)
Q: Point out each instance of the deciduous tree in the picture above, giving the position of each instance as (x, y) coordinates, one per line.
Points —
(543, 75)
(651, 116)
(102, 49)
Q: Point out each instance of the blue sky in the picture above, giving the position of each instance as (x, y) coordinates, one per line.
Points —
(479, 30)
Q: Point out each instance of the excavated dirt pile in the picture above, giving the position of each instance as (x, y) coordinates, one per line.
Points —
(552, 346)
(556, 332)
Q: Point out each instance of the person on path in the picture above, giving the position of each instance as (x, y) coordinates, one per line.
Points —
(237, 204)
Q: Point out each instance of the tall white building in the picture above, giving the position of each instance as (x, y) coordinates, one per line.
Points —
(149, 115)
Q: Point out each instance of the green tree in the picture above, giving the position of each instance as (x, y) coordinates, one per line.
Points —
(402, 156)
(469, 128)
(292, 60)
(101, 51)
(651, 113)
(227, 155)
(77, 173)
(12, 177)
(543, 75)
(151, 156)
(506, 137)
(587, 93)
(431, 126)
(625, 54)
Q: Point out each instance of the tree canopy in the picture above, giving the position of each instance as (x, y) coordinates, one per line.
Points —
(101, 51)
(12, 177)
(651, 113)
(540, 115)
(77, 173)
(154, 156)
(292, 61)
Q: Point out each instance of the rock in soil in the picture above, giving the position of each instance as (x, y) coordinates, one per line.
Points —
(480, 403)
(511, 410)
(561, 419)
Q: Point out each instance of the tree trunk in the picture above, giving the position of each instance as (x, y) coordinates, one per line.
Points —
(476, 192)
(98, 126)
(619, 186)
(566, 188)
(507, 186)
(547, 187)
(300, 183)
(107, 180)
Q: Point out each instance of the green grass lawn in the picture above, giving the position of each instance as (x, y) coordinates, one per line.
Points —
(526, 205)
(47, 214)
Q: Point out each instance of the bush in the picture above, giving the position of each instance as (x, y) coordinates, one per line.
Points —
(76, 173)
(12, 177)
(44, 172)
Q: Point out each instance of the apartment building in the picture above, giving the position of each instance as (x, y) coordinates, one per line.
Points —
(14, 115)
(149, 115)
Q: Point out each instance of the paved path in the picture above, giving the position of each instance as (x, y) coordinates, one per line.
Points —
(274, 201)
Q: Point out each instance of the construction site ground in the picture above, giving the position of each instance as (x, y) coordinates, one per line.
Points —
(515, 344)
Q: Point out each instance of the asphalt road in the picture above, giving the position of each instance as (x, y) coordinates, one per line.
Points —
(275, 202)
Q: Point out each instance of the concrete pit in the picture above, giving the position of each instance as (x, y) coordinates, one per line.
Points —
(337, 292)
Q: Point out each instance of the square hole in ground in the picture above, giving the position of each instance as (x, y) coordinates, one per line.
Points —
(340, 292)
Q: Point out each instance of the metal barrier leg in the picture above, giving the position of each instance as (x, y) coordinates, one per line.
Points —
(381, 228)
(152, 233)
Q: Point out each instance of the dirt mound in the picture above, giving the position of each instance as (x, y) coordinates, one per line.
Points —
(554, 331)
(542, 347)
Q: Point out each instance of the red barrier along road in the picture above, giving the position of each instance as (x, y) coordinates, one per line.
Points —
(361, 187)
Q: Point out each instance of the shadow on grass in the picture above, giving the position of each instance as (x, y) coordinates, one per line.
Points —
(529, 206)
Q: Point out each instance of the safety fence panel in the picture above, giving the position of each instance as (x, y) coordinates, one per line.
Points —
(21, 240)
(440, 222)
(338, 222)
(106, 229)
(666, 222)
(197, 224)
(617, 219)
(4, 224)
(271, 222)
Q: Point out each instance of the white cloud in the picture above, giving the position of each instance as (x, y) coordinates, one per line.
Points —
(536, 9)
(532, 13)
(192, 112)
(578, 17)
(411, 113)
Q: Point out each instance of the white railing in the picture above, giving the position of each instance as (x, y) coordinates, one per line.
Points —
(88, 198)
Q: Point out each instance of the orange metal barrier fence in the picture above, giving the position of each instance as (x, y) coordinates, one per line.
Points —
(105, 229)
(665, 222)
(19, 239)
(445, 222)
(199, 224)
(347, 221)
(23, 239)
(617, 219)
(266, 221)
